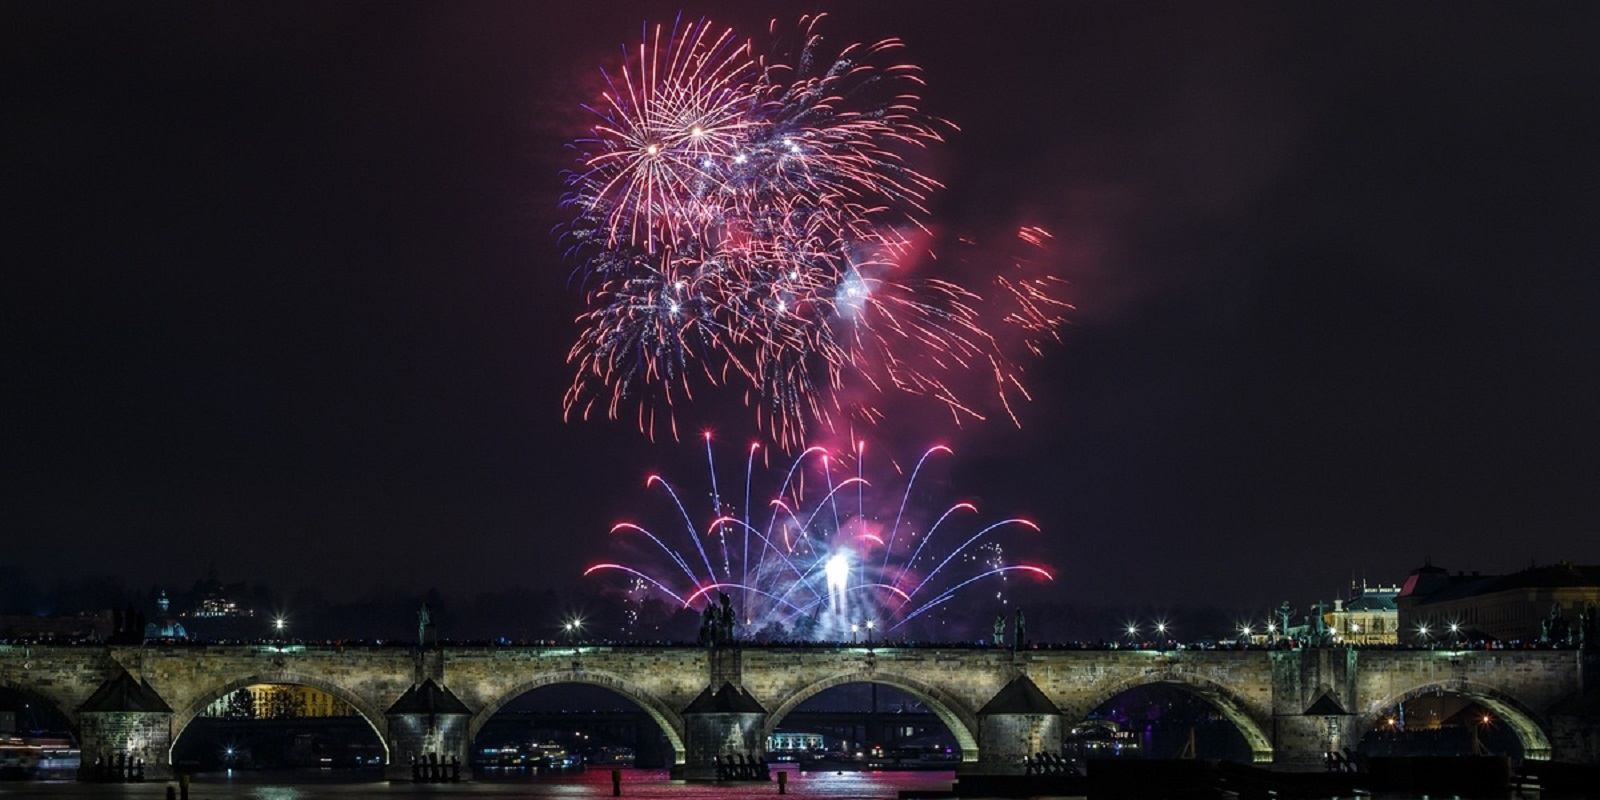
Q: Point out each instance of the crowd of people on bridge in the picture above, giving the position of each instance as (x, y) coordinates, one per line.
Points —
(1282, 643)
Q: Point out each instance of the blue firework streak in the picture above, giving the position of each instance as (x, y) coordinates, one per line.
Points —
(828, 549)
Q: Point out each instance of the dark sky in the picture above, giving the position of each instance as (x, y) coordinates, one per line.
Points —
(280, 291)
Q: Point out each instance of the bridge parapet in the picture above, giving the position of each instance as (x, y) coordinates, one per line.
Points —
(64, 676)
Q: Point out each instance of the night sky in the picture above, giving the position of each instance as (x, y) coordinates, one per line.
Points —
(281, 294)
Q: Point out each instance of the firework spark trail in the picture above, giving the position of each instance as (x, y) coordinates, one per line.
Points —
(744, 560)
(964, 545)
(711, 574)
(741, 220)
(658, 127)
(778, 552)
(817, 568)
(951, 592)
(676, 557)
(783, 489)
(716, 503)
(912, 562)
(887, 551)
(637, 574)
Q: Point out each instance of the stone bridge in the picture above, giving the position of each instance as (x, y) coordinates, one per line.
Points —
(1290, 705)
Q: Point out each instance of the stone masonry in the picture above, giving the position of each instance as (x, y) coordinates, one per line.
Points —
(1290, 705)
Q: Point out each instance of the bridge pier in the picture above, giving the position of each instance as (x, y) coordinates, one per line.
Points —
(1313, 692)
(125, 733)
(1575, 739)
(123, 746)
(1298, 743)
(1019, 722)
(720, 725)
(1575, 724)
(428, 736)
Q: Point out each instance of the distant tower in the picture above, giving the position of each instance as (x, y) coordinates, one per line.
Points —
(164, 626)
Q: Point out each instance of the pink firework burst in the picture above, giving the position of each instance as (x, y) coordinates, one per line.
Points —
(749, 222)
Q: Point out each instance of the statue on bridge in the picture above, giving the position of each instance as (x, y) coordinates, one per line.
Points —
(717, 624)
(426, 632)
(127, 628)
(1000, 630)
(1554, 629)
(1321, 634)
(726, 619)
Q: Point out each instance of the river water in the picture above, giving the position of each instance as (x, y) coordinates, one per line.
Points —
(596, 783)
(642, 784)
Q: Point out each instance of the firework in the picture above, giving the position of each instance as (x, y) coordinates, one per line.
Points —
(751, 221)
(828, 549)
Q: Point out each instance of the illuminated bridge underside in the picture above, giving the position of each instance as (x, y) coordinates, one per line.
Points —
(1265, 694)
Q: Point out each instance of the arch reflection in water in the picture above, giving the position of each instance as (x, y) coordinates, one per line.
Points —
(564, 728)
(36, 741)
(864, 726)
(1435, 722)
(1158, 720)
(278, 726)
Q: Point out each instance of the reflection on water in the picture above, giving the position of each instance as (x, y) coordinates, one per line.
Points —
(596, 783)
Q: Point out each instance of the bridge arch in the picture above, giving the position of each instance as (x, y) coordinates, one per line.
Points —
(370, 714)
(1527, 725)
(670, 722)
(1218, 695)
(57, 706)
(960, 720)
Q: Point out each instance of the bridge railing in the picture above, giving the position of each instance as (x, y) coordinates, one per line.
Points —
(344, 645)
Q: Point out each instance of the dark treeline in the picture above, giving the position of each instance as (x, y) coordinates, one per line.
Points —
(522, 614)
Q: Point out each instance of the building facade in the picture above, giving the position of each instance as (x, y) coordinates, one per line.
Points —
(1368, 617)
(278, 701)
(1539, 604)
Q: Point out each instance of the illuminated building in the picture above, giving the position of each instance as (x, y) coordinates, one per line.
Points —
(210, 607)
(218, 614)
(1437, 606)
(1098, 737)
(278, 701)
(787, 742)
(1370, 616)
